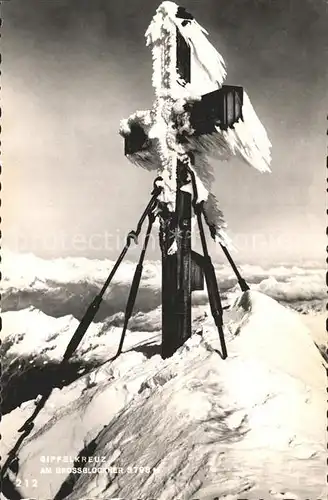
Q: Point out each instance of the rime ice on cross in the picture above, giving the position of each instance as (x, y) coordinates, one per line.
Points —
(193, 116)
(185, 68)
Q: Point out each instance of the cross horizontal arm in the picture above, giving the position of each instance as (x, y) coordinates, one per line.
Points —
(137, 141)
(221, 108)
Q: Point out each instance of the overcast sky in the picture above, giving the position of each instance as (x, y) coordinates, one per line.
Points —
(73, 68)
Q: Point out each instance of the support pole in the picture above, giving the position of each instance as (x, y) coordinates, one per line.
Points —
(242, 283)
(209, 271)
(135, 286)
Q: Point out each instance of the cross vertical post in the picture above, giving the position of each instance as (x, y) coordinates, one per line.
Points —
(176, 268)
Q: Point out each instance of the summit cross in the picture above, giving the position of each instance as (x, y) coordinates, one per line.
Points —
(193, 115)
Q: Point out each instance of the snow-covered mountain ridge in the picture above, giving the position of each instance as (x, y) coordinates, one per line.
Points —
(252, 426)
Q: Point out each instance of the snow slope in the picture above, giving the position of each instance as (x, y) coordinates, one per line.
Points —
(252, 426)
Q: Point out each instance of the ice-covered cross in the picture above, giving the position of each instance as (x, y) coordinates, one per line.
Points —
(193, 112)
(193, 116)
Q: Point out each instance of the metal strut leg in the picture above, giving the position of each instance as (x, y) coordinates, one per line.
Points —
(212, 286)
(135, 285)
(242, 283)
(93, 308)
(209, 272)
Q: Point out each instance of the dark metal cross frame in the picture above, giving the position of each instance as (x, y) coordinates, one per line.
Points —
(181, 271)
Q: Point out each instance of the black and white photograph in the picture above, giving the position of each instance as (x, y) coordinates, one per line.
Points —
(163, 292)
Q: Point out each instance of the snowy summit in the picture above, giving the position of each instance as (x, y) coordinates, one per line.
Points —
(192, 426)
